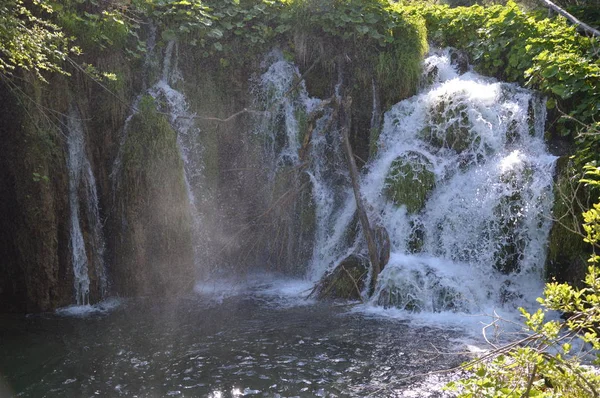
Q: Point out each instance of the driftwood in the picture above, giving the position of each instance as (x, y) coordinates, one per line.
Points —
(345, 120)
(583, 27)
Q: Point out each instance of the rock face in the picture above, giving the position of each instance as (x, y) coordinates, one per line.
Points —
(567, 252)
(153, 249)
(34, 251)
(409, 181)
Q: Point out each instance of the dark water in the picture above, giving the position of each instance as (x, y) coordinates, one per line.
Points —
(251, 344)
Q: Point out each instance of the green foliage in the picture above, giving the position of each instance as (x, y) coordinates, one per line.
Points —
(543, 53)
(30, 42)
(98, 25)
(545, 363)
(216, 26)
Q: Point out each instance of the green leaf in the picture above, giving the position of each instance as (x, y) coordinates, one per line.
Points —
(215, 33)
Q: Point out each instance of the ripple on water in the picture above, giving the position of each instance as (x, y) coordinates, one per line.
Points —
(247, 345)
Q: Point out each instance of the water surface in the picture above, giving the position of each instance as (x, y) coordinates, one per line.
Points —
(239, 342)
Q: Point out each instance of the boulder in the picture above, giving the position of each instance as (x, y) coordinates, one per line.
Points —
(346, 281)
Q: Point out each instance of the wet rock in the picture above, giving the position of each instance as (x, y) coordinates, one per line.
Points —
(449, 127)
(567, 252)
(510, 218)
(347, 280)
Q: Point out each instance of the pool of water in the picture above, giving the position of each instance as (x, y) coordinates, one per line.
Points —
(228, 342)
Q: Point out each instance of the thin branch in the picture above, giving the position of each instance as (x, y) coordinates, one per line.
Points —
(530, 382)
(354, 282)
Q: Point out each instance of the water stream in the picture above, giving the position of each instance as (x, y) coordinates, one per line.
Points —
(83, 202)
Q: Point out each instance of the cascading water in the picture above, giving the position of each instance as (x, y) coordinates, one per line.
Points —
(190, 148)
(182, 121)
(291, 146)
(463, 183)
(82, 188)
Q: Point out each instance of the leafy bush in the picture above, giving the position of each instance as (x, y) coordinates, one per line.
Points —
(30, 42)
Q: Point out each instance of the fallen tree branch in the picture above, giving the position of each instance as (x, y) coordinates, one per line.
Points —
(580, 25)
(362, 214)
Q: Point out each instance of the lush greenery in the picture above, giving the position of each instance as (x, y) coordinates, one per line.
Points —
(543, 53)
(548, 360)
(28, 41)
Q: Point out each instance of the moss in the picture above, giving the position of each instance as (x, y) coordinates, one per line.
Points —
(374, 134)
(346, 281)
(409, 181)
(307, 209)
(456, 135)
(399, 70)
(567, 255)
(155, 255)
(302, 120)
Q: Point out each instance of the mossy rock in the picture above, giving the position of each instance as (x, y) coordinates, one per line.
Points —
(456, 130)
(346, 281)
(155, 254)
(509, 220)
(409, 181)
(567, 256)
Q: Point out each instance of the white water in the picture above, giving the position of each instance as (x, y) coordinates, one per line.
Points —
(483, 228)
(82, 189)
(494, 193)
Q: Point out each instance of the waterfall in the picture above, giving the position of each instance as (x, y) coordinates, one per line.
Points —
(461, 179)
(182, 121)
(287, 135)
(463, 183)
(83, 201)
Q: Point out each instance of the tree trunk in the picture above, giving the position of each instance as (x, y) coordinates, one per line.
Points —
(345, 120)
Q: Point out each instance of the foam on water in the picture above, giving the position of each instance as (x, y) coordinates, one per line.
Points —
(81, 311)
(274, 289)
